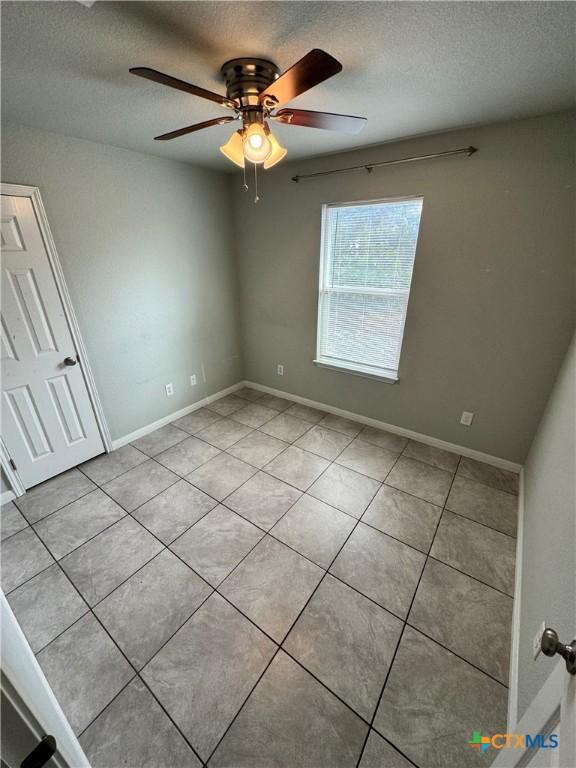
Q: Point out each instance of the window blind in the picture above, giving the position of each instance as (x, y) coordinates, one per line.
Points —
(367, 260)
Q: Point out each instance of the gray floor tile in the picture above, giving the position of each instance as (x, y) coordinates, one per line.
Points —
(286, 427)
(139, 485)
(145, 611)
(53, 494)
(187, 455)
(254, 415)
(45, 606)
(479, 502)
(403, 516)
(291, 720)
(204, 673)
(277, 403)
(174, 510)
(85, 670)
(478, 551)
(369, 460)
(22, 556)
(297, 467)
(197, 420)
(381, 568)
(11, 520)
(422, 480)
(134, 731)
(257, 448)
(160, 440)
(109, 465)
(305, 412)
(501, 479)
(430, 455)
(314, 529)
(346, 641)
(383, 439)
(71, 526)
(221, 475)
(340, 424)
(247, 393)
(216, 544)
(227, 405)
(345, 489)
(432, 702)
(263, 500)
(100, 565)
(465, 616)
(379, 754)
(224, 433)
(272, 585)
(324, 442)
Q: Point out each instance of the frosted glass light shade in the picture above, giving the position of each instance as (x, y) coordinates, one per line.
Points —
(257, 144)
(234, 149)
(278, 152)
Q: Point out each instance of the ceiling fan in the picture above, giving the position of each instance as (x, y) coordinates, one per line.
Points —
(255, 91)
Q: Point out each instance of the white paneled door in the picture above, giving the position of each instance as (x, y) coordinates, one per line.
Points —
(48, 422)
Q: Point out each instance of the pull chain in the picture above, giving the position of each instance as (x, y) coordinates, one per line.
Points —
(245, 185)
(256, 198)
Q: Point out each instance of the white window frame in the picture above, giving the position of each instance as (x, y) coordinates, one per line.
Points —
(389, 376)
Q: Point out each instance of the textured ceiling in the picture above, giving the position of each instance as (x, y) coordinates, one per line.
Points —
(409, 67)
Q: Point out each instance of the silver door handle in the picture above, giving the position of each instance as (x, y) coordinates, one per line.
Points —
(70, 361)
(550, 646)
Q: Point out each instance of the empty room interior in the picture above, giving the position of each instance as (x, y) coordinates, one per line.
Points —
(288, 425)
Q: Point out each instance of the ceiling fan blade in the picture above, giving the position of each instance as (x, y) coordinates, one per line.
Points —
(311, 70)
(181, 85)
(326, 120)
(192, 128)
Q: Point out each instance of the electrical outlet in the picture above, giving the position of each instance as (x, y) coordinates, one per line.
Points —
(466, 418)
(280, 369)
(536, 649)
(169, 390)
(193, 380)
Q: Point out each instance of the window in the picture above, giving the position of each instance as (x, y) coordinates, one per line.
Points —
(366, 266)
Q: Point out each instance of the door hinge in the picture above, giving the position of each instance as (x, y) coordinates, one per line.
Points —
(13, 465)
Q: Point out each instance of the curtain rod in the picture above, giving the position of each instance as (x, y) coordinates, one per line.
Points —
(369, 167)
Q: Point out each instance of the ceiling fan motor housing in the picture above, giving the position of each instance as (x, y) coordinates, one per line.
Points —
(246, 78)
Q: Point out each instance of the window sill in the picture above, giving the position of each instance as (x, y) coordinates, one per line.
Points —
(390, 379)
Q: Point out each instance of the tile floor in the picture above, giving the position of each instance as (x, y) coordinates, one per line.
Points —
(264, 584)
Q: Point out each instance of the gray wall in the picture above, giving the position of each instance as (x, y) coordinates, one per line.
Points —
(493, 301)
(549, 539)
(146, 248)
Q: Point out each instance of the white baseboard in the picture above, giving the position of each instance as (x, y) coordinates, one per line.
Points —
(470, 453)
(7, 496)
(120, 441)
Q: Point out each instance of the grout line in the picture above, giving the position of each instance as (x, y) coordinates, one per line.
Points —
(288, 633)
(403, 629)
(267, 533)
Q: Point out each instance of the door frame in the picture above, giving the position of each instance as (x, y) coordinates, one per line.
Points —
(33, 194)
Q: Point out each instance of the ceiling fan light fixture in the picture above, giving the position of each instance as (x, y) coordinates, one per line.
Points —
(278, 152)
(257, 144)
(234, 149)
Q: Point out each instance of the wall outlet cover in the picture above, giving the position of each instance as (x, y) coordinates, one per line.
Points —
(466, 418)
(169, 390)
(193, 380)
(280, 369)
